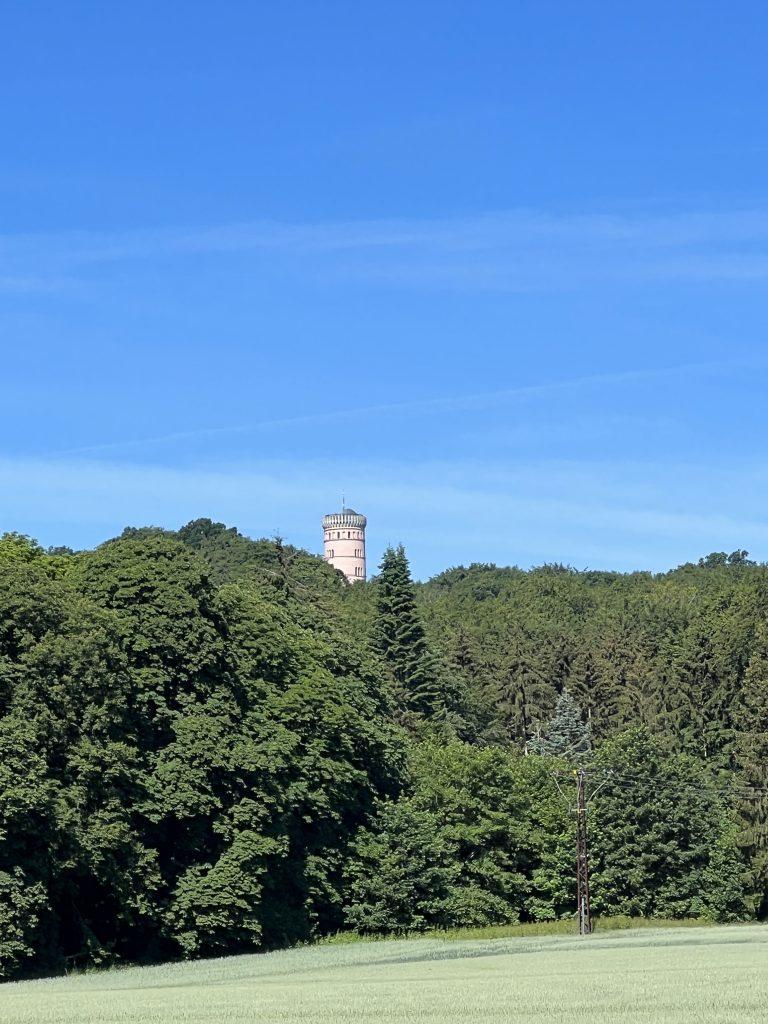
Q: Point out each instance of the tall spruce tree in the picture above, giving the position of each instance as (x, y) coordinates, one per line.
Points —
(399, 636)
(523, 689)
(751, 717)
(565, 735)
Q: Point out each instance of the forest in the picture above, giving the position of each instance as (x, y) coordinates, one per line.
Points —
(210, 745)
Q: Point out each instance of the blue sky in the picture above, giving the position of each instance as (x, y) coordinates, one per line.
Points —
(499, 271)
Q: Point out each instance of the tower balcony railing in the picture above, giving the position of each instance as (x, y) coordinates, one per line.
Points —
(337, 519)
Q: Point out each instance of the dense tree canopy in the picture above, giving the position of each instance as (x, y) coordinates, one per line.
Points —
(211, 744)
(183, 766)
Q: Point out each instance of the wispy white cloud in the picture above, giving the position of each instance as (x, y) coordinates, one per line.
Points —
(605, 514)
(506, 250)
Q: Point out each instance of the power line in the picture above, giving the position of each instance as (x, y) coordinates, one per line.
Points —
(732, 789)
(607, 777)
(725, 789)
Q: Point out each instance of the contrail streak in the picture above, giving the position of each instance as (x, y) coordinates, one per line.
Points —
(428, 405)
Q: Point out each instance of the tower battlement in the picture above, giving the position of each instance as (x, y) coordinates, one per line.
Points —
(344, 542)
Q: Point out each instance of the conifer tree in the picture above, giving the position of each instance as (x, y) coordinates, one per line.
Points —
(523, 690)
(566, 734)
(703, 693)
(399, 635)
(751, 717)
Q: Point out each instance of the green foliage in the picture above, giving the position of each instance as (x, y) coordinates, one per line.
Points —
(663, 841)
(15, 547)
(202, 747)
(751, 755)
(400, 637)
(216, 907)
(70, 766)
(230, 556)
(20, 909)
(565, 735)
(460, 849)
(716, 559)
(182, 767)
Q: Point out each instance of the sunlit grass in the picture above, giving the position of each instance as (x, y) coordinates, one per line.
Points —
(713, 975)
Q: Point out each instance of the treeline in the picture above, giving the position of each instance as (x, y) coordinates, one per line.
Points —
(210, 744)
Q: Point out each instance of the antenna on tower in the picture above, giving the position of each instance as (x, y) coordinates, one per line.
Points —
(343, 503)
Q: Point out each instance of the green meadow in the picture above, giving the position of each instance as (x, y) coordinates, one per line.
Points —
(713, 975)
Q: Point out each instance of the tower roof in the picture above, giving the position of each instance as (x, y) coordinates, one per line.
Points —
(347, 517)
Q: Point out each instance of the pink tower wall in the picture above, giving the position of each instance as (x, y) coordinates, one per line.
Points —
(344, 543)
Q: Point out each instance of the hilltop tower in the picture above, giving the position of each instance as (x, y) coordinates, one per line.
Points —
(344, 543)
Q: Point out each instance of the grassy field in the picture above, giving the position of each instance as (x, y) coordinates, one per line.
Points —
(648, 976)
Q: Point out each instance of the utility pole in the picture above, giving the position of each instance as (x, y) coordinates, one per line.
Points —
(582, 859)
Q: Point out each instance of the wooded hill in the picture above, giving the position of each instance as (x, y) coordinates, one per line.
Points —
(210, 744)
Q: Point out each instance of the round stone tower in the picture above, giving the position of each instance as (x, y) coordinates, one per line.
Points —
(344, 543)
